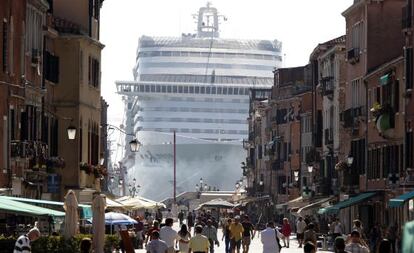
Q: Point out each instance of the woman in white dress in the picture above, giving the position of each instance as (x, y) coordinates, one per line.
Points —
(184, 238)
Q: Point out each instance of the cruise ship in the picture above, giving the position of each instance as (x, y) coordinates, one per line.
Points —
(197, 85)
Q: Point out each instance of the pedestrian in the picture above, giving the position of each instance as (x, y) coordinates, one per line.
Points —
(181, 217)
(356, 245)
(226, 235)
(210, 232)
(300, 230)
(309, 248)
(155, 227)
(169, 214)
(340, 245)
(270, 238)
(169, 235)
(338, 228)
(199, 243)
(358, 226)
(158, 216)
(374, 237)
(286, 231)
(310, 234)
(248, 233)
(22, 244)
(156, 245)
(236, 235)
(184, 239)
(392, 236)
(190, 221)
(385, 246)
(86, 245)
(139, 230)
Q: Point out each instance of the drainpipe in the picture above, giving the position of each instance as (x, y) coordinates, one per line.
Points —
(366, 135)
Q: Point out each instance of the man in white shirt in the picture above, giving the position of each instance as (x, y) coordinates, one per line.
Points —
(169, 235)
(271, 243)
(338, 229)
(156, 245)
(356, 246)
(300, 230)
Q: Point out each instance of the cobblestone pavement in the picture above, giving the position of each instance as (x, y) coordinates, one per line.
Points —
(255, 247)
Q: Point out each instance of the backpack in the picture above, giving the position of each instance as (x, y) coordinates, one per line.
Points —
(278, 241)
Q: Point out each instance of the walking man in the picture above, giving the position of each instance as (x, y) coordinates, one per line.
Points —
(270, 238)
(23, 242)
(199, 243)
(169, 235)
(300, 230)
(356, 246)
(248, 233)
(156, 245)
(181, 217)
(236, 235)
(210, 232)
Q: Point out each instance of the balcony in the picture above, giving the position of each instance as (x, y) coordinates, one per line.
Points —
(328, 86)
(28, 149)
(406, 17)
(353, 55)
(328, 133)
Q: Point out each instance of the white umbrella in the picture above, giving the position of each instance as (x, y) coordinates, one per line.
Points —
(113, 218)
(71, 217)
(98, 223)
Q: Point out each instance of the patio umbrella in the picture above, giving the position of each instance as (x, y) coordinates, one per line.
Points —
(217, 203)
(71, 217)
(98, 223)
(113, 218)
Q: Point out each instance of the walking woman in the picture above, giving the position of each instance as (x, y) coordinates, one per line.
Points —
(286, 231)
(184, 239)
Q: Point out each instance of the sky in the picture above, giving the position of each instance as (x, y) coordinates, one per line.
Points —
(299, 24)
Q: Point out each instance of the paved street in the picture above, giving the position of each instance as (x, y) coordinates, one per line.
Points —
(256, 246)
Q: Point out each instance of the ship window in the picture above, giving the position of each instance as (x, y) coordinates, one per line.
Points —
(236, 91)
(157, 88)
(175, 53)
(163, 89)
(152, 88)
(169, 89)
(185, 89)
(219, 90)
(225, 90)
(208, 91)
(166, 53)
(147, 88)
(196, 131)
(197, 89)
(185, 130)
(230, 91)
(141, 88)
(180, 89)
(208, 131)
(191, 89)
(213, 90)
(203, 90)
(174, 89)
(184, 53)
(204, 54)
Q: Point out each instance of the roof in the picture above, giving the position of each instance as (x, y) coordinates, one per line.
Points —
(13, 206)
(347, 203)
(328, 44)
(194, 42)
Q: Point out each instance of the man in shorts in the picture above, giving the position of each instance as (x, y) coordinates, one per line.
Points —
(248, 233)
(300, 230)
(236, 235)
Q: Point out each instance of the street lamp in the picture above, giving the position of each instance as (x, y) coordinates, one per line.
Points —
(310, 168)
(71, 132)
(296, 174)
(135, 145)
(133, 189)
(349, 160)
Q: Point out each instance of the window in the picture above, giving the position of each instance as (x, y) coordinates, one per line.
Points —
(34, 34)
(94, 72)
(358, 93)
(357, 35)
(169, 89)
(51, 67)
(408, 53)
(157, 88)
(152, 88)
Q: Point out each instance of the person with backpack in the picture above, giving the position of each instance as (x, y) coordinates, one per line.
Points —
(270, 238)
